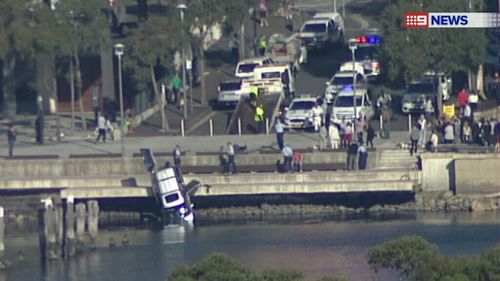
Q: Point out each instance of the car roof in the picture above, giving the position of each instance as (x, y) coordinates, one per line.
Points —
(230, 81)
(312, 99)
(316, 21)
(359, 92)
(346, 73)
(334, 16)
(253, 60)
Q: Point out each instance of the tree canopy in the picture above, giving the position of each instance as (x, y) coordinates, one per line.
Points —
(408, 53)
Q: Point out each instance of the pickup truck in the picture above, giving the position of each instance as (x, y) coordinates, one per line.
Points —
(322, 30)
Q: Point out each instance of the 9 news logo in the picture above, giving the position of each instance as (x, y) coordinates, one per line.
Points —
(416, 20)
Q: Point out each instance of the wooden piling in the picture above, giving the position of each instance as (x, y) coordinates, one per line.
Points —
(3, 261)
(93, 221)
(69, 229)
(80, 226)
(50, 229)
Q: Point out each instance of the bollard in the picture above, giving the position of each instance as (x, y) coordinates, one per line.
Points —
(267, 126)
(211, 124)
(381, 122)
(80, 226)
(182, 127)
(239, 127)
(92, 221)
(69, 226)
(409, 122)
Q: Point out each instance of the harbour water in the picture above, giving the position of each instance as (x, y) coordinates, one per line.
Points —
(319, 247)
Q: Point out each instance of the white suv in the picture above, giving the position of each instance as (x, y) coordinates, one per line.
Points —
(343, 106)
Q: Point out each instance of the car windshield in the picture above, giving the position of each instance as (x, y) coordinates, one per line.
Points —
(246, 68)
(346, 101)
(267, 75)
(341, 80)
(302, 105)
(229, 86)
(365, 53)
(421, 88)
(314, 27)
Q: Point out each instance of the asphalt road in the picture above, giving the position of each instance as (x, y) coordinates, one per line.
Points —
(322, 64)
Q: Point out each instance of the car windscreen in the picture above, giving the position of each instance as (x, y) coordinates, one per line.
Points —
(267, 75)
(247, 67)
(302, 105)
(341, 80)
(346, 101)
(314, 27)
(230, 86)
(421, 88)
(365, 53)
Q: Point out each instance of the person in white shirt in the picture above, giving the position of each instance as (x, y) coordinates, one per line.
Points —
(473, 100)
(434, 141)
(317, 114)
(101, 129)
(333, 132)
(467, 113)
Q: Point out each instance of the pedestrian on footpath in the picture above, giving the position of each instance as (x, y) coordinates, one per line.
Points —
(352, 153)
(360, 129)
(333, 132)
(297, 160)
(175, 83)
(316, 115)
(259, 118)
(414, 136)
(463, 99)
(363, 156)
(176, 155)
(39, 130)
(423, 130)
(231, 163)
(101, 129)
(342, 127)
(263, 12)
(11, 138)
(348, 134)
(429, 109)
(287, 153)
(323, 137)
(370, 135)
(449, 133)
(386, 120)
(434, 141)
(472, 100)
(280, 131)
(234, 45)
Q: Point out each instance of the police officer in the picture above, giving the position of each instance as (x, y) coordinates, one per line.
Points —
(259, 117)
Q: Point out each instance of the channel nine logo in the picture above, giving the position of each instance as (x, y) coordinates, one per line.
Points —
(451, 20)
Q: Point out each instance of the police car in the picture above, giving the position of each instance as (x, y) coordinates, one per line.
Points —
(343, 106)
(298, 114)
(322, 30)
(367, 54)
(339, 81)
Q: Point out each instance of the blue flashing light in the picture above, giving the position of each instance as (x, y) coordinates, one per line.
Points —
(373, 39)
(347, 88)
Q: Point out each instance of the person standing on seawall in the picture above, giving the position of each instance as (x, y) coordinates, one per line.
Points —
(279, 129)
(363, 156)
(11, 138)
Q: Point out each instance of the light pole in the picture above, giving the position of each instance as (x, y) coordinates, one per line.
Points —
(353, 46)
(119, 49)
(334, 6)
(182, 7)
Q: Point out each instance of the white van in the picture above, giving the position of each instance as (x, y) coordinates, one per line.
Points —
(343, 106)
(282, 71)
(245, 68)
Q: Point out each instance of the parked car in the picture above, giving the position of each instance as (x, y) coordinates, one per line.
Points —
(298, 114)
(339, 81)
(244, 68)
(343, 106)
(416, 95)
(322, 30)
(229, 92)
(367, 54)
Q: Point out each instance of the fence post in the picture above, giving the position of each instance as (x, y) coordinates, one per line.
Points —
(182, 127)
(239, 126)
(409, 122)
(267, 126)
(211, 122)
(381, 122)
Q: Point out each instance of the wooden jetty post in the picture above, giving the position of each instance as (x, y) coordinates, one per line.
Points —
(69, 228)
(48, 230)
(93, 221)
(3, 261)
(80, 226)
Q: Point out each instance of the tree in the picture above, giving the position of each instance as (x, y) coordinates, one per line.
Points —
(405, 255)
(407, 53)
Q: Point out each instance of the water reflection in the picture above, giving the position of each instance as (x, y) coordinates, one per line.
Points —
(318, 246)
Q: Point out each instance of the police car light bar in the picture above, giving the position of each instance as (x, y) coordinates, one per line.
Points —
(370, 39)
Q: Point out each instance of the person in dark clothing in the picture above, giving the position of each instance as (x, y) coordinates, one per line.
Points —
(487, 133)
(38, 130)
(352, 152)
(370, 135)
(11, 138)
(363, 156)
(414, 136)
